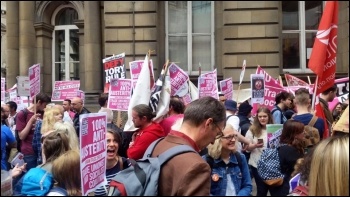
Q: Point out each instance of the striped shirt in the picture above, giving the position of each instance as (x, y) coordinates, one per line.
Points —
(110, 173)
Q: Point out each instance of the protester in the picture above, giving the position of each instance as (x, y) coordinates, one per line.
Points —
(103, 101)
(42, 127)
(13, 112)
(229, 174)
(231, 118)
(244, 113)
(258, 136)
(6, 112)
(66, 172)
(325, 97)
(6, 138)
(299, 181)
(25, 124)
(148, 131)
(283, 101)
(302, 103)
(329, 174)
(68, 129)
(290, 150)
(176, 110)
(341, 128)
(291, 110)
(67, 108)
(222, 98)
(78, 107)
(115, 163)
(203, 122)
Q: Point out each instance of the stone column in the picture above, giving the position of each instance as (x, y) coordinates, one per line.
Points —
(12, 36)
(80, 25)
(44, 54)
(27, 39)
(92, 47)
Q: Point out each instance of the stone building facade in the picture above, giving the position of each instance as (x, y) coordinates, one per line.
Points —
(70, 38)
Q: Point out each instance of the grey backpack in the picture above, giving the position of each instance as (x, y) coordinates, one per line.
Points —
(141, 178)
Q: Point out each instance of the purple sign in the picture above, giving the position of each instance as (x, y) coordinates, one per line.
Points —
(119, 94)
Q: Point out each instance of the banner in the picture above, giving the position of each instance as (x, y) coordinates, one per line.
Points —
(242, 73)
(193, 90)
(93, 151)
(23, 86)
(65, 90)
(323, 55)
(114, 69)
(243, 95)
(34, 80)
(119, 94)
(226, 87)
(294, 81)
(135, 69)
(258, 87)
(141, 94)
(178, 80)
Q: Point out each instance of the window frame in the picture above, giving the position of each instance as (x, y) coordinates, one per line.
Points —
(67, 29)
(302, 40)
(190, 34)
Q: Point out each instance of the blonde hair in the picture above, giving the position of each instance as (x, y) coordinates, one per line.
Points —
(68, 129)
(49, 119)
(66, 172)
(329, 175)
(214, 150)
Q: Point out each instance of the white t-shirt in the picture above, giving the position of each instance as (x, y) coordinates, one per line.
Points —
(256, 153)
(233, 121)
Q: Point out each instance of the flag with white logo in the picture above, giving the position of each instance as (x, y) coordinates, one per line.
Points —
(323, 56)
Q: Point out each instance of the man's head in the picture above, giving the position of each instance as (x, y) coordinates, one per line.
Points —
(231, 106)
(5, 111)
(222, 98)
(204, 120)
(302, 97)
(245, 109)
(13, 107)
(102, 100)
(284, 98)
(41, 101)
(77, 104)
(176, 106)
(142, 115)
(329, 94)
(66, 104)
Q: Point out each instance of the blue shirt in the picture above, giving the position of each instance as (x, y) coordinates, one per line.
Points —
(306, 118)
(6, 137)
(36, 144)
(240, 178)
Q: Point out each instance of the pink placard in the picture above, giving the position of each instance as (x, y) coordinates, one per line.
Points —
(81, 94)
(205, 87)
(178, 78)
(135, 69)
(34, 80)
(119, 94)
(93, 151)
(226, 88)
(65, 90)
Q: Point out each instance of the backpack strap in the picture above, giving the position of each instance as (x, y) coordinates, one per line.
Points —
(151, 147)
(239, 160)
(312, 121)
(176, 150)
(228, 117)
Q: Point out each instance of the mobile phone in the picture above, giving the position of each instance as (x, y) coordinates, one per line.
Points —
(260, 141)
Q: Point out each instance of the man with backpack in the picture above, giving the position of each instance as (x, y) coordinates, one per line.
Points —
(25, 125)
(283, 101)
(231, 118)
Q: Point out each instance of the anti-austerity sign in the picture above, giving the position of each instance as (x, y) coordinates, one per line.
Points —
(93, 151)
(119, 94)
(209, 85)
(23, 86)
(178, 80)
(65, 90)
(34, 80)
(135, 69)
(114, 69)
(258, 88)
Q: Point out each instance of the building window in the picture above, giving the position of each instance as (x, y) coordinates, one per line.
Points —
(299, 28)
(65, 46)
(190, 35)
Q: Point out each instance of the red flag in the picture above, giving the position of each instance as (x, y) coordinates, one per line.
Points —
(323, 56)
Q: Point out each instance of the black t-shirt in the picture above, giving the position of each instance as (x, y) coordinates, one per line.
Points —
(288, 157)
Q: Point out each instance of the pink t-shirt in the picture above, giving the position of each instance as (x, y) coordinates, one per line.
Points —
(169, 121)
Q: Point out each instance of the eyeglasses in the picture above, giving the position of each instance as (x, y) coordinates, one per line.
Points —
(230, 137)
(220, 133)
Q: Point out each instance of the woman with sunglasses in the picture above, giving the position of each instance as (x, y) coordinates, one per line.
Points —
(229, 169)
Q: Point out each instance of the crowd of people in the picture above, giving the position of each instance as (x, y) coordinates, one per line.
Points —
(229, 142)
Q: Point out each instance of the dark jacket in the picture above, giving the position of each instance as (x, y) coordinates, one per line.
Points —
(76, 120)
